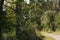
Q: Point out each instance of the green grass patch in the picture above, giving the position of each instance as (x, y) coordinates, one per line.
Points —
(56, 32)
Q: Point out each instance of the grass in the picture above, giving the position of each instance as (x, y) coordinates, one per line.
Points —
(56, 32)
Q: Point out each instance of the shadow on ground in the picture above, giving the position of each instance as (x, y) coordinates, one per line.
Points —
(29, 36)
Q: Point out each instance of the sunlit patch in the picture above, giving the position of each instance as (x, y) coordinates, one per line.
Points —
(27, 1)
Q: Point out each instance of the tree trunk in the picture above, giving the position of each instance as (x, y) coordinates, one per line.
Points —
(18, 19)
(1, 11)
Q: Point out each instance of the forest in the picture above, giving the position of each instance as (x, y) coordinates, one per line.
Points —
(25, 19)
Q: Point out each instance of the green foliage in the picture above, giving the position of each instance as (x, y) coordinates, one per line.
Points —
(31, 16)
(57, 20)
(45, 22)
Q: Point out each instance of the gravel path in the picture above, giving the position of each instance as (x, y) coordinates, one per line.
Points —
(56, 37)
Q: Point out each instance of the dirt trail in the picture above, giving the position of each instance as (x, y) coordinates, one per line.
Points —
(56, 37)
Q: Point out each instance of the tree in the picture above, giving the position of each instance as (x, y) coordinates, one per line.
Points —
(48, 16)
(9, 20)
(1, 14)
(27, 15)
(18, 18)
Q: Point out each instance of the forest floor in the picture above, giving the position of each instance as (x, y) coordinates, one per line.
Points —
(55, 36)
